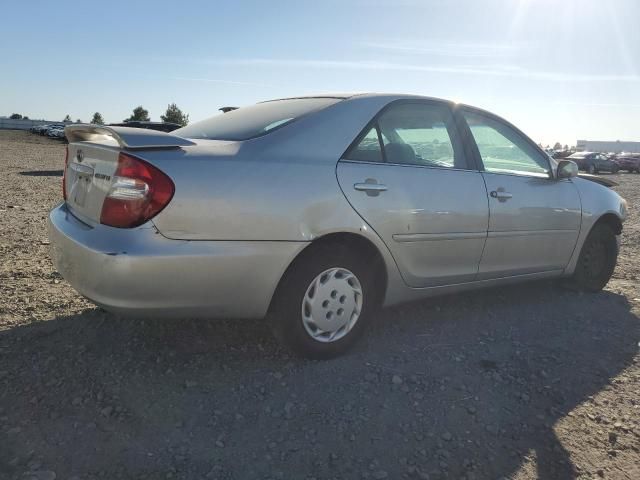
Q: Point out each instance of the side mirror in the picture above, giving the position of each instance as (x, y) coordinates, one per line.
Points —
(567, 169)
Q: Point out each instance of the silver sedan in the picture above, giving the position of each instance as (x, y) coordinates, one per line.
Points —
(313, 212)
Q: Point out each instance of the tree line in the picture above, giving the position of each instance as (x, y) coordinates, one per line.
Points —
(173, 114)
(556, 146)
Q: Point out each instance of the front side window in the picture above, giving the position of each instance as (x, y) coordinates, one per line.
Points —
(504, 150)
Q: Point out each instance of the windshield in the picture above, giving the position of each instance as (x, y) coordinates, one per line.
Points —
(255, 120)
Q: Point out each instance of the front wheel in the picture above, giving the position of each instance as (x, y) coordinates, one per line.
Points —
(324, 302)
(597, 259)
(591, 169)
(615, 169)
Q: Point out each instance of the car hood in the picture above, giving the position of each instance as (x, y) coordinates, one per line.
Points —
(597, 179)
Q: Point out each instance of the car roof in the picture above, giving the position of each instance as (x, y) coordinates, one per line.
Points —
(141, 122)
(358, 108)
(345, 120)
(380, 96)
(345, 96)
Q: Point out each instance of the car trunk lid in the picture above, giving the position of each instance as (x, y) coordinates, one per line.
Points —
(93, 157)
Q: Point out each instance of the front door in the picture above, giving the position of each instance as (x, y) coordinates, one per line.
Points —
(408, 177)
(534, 219)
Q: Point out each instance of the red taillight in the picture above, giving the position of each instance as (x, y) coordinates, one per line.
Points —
(139, 191)
(64, 173)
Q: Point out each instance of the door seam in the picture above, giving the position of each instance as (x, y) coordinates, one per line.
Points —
(484, 245)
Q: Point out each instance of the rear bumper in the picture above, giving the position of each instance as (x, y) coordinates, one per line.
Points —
(138, 272)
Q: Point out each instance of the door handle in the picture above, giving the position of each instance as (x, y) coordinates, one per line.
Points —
(500, 195)
(371, 187)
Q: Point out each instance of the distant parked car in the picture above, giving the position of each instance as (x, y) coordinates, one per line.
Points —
(558, 154)
(159, 126)
(592, 162)
(38, 128)
(629, 162)
(45, 129)
(57, 132)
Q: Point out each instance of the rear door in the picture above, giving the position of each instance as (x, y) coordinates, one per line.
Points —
(408, 176)
(534, 219)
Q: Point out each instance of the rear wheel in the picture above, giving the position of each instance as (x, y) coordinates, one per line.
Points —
(615, 169)
(591, 169)
(597, 259)
(324, 302)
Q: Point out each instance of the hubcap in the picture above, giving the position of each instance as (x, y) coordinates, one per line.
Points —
(331, 305)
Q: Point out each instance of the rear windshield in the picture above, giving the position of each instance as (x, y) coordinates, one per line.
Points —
(254, 121)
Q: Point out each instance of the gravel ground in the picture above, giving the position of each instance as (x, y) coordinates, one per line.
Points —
(521, 382)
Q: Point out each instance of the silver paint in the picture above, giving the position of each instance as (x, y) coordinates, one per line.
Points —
(243, 211)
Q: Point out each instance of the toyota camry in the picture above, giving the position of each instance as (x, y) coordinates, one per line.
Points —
(312, 212)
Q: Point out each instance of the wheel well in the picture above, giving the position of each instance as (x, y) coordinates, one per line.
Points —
(613, 221)
(357, 244)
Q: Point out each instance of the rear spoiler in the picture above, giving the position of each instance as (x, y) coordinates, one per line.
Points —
(127, 137)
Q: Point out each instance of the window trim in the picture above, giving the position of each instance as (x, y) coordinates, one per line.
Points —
(409, 165)
(470, 139)
(468, 160)
(381, 142)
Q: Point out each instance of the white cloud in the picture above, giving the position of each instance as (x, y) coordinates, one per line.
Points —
(224, 82)
(447, 49)
(491, 70)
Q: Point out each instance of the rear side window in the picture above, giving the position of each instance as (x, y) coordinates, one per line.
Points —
(412, 134)
(368, 149)
(255, 120)
(421, 134)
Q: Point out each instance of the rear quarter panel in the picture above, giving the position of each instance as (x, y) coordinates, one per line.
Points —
(281, 187)
(252, 199)
(256, 200)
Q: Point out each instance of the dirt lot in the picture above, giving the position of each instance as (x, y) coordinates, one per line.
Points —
(522, 382)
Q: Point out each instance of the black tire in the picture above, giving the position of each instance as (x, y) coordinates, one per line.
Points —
(615, 169)
(597, 259)
(592, 169)
(285, 314)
